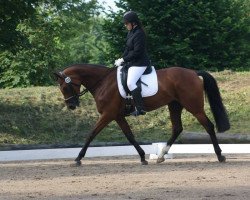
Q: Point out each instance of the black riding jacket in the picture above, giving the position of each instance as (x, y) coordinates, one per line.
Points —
(135, 52)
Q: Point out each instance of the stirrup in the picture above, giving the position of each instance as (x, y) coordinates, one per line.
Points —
(137, 113)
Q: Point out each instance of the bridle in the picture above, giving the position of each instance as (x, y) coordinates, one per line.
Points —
(69, 82)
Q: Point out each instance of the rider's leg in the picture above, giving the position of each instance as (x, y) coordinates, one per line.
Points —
(134, 73)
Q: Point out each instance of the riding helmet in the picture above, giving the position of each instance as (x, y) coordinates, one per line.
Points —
(130, 17)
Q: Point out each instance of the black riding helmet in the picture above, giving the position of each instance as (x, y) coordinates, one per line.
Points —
(130, 17)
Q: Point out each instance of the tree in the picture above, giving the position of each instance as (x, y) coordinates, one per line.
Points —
(59, 33)
(195, 34)
(12, 12)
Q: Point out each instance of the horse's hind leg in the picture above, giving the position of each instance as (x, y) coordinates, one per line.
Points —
(122, 122)
(175, 110)
(208, 125)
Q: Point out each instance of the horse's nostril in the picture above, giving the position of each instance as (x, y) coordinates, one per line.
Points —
(72, 107)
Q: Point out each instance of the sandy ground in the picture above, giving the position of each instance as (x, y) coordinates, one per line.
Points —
(195, 177)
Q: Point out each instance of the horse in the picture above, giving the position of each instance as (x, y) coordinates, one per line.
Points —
(178, 88)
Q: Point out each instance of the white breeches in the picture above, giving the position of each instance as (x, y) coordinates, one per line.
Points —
(134, 73)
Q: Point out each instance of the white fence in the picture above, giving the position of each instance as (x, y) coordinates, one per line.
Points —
(153, 150)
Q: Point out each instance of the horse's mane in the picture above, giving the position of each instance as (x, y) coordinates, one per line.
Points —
(90, 65)
(85, 65)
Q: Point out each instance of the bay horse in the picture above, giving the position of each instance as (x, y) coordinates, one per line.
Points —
(178, 88)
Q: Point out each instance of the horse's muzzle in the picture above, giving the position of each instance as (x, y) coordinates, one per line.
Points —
(72, 107)
(72, 103)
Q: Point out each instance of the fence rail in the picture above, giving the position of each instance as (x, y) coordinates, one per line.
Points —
(153, 151)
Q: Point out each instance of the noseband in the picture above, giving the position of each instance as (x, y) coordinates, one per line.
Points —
(69, 82)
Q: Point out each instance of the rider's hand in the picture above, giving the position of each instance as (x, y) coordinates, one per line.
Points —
(118, 62)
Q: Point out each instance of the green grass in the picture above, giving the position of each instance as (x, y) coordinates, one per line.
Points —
(38, 115)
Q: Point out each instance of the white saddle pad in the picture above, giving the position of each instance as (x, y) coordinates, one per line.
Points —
(149, 79)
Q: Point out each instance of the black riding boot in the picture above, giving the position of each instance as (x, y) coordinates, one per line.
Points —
(136, 94)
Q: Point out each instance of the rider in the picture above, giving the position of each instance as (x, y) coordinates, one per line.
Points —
(135, 57)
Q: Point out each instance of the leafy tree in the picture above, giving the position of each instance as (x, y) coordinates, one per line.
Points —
(59, 33)
(12, 12)
(196, 34)
(84, 39)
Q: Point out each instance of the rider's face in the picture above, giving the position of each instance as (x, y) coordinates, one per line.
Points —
(128, 25)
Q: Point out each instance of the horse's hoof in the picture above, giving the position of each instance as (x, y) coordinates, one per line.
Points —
(160, 160)
(222, 159)
(144, 162)
(76, 164)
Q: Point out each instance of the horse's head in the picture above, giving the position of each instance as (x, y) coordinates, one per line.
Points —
(69, 88)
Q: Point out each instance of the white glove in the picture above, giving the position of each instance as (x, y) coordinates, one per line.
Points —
(118, 62)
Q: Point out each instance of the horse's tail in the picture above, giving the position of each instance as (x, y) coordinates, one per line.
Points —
(215, 101)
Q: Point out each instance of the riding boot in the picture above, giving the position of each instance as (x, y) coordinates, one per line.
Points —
(136, 94)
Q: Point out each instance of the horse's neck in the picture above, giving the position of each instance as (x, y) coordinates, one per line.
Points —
(90, 75)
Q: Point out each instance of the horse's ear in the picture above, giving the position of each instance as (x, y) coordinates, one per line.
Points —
(57, 75)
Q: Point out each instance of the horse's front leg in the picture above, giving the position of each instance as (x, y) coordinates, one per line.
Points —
(103, 121)
(122, 122)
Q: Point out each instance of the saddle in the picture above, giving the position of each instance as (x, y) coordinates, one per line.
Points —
(124, 77)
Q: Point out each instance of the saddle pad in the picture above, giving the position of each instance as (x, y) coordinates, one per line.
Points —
(149, 79)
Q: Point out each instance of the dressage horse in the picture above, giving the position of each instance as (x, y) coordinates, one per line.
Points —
(177, 87)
